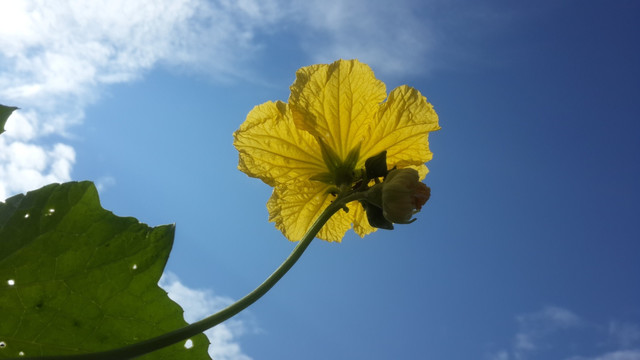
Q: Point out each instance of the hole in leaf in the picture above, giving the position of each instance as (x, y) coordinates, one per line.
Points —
(3, 344)
(21, 353)
(11, 282)
(26, 216)
(135, 266)
(188, 344)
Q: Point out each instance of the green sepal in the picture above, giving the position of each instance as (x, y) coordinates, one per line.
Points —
(376, 166)
(372, 205)
(331, 159)
(375, 217)
(324, 177)
(352, 158)
(340, 172)
(5, 112)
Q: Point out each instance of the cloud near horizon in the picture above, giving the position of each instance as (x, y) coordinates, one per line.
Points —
(543, 334)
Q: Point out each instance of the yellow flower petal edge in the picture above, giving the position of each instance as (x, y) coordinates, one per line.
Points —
(317, 145)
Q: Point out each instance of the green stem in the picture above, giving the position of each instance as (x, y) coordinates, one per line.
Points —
(153, 344)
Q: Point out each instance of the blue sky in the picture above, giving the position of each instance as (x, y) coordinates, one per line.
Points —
(528, 249)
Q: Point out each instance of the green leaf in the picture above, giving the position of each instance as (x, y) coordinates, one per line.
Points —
(5, 111)
(376, 166)
(75, 278)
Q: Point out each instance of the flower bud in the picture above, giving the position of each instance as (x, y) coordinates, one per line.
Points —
(403, 195)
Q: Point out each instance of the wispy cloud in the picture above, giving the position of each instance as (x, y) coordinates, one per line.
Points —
(615, 355)
(535, 327)
(558, 333)
(500, 355)
(27, 166)
(198, 304)
(392, 39)
(624, 334)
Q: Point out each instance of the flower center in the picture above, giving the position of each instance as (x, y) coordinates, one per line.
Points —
(340, 172)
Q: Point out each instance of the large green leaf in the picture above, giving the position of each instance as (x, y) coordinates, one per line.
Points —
(5, 111)
(75, 278)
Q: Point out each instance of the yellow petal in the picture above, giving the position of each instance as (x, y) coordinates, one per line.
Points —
(294, 208)
(336, 102)
(336, 227)
(402, 128)
(272, 149)
(360, 223)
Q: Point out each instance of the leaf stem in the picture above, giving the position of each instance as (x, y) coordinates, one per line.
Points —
(164, 340)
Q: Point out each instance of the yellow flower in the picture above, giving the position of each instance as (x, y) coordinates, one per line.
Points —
(316, 145)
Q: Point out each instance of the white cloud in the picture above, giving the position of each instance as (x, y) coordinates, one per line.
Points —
(500, 355)
(550, 317)
(535, 331)
(624, 334)
(535, 328)
(27, 166)
(392, 39)
(616, 355)
(105, 182)
(198, 304)
(554, 332)
(58, 48)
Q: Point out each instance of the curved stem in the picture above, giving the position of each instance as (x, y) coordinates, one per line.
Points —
(147, 346)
